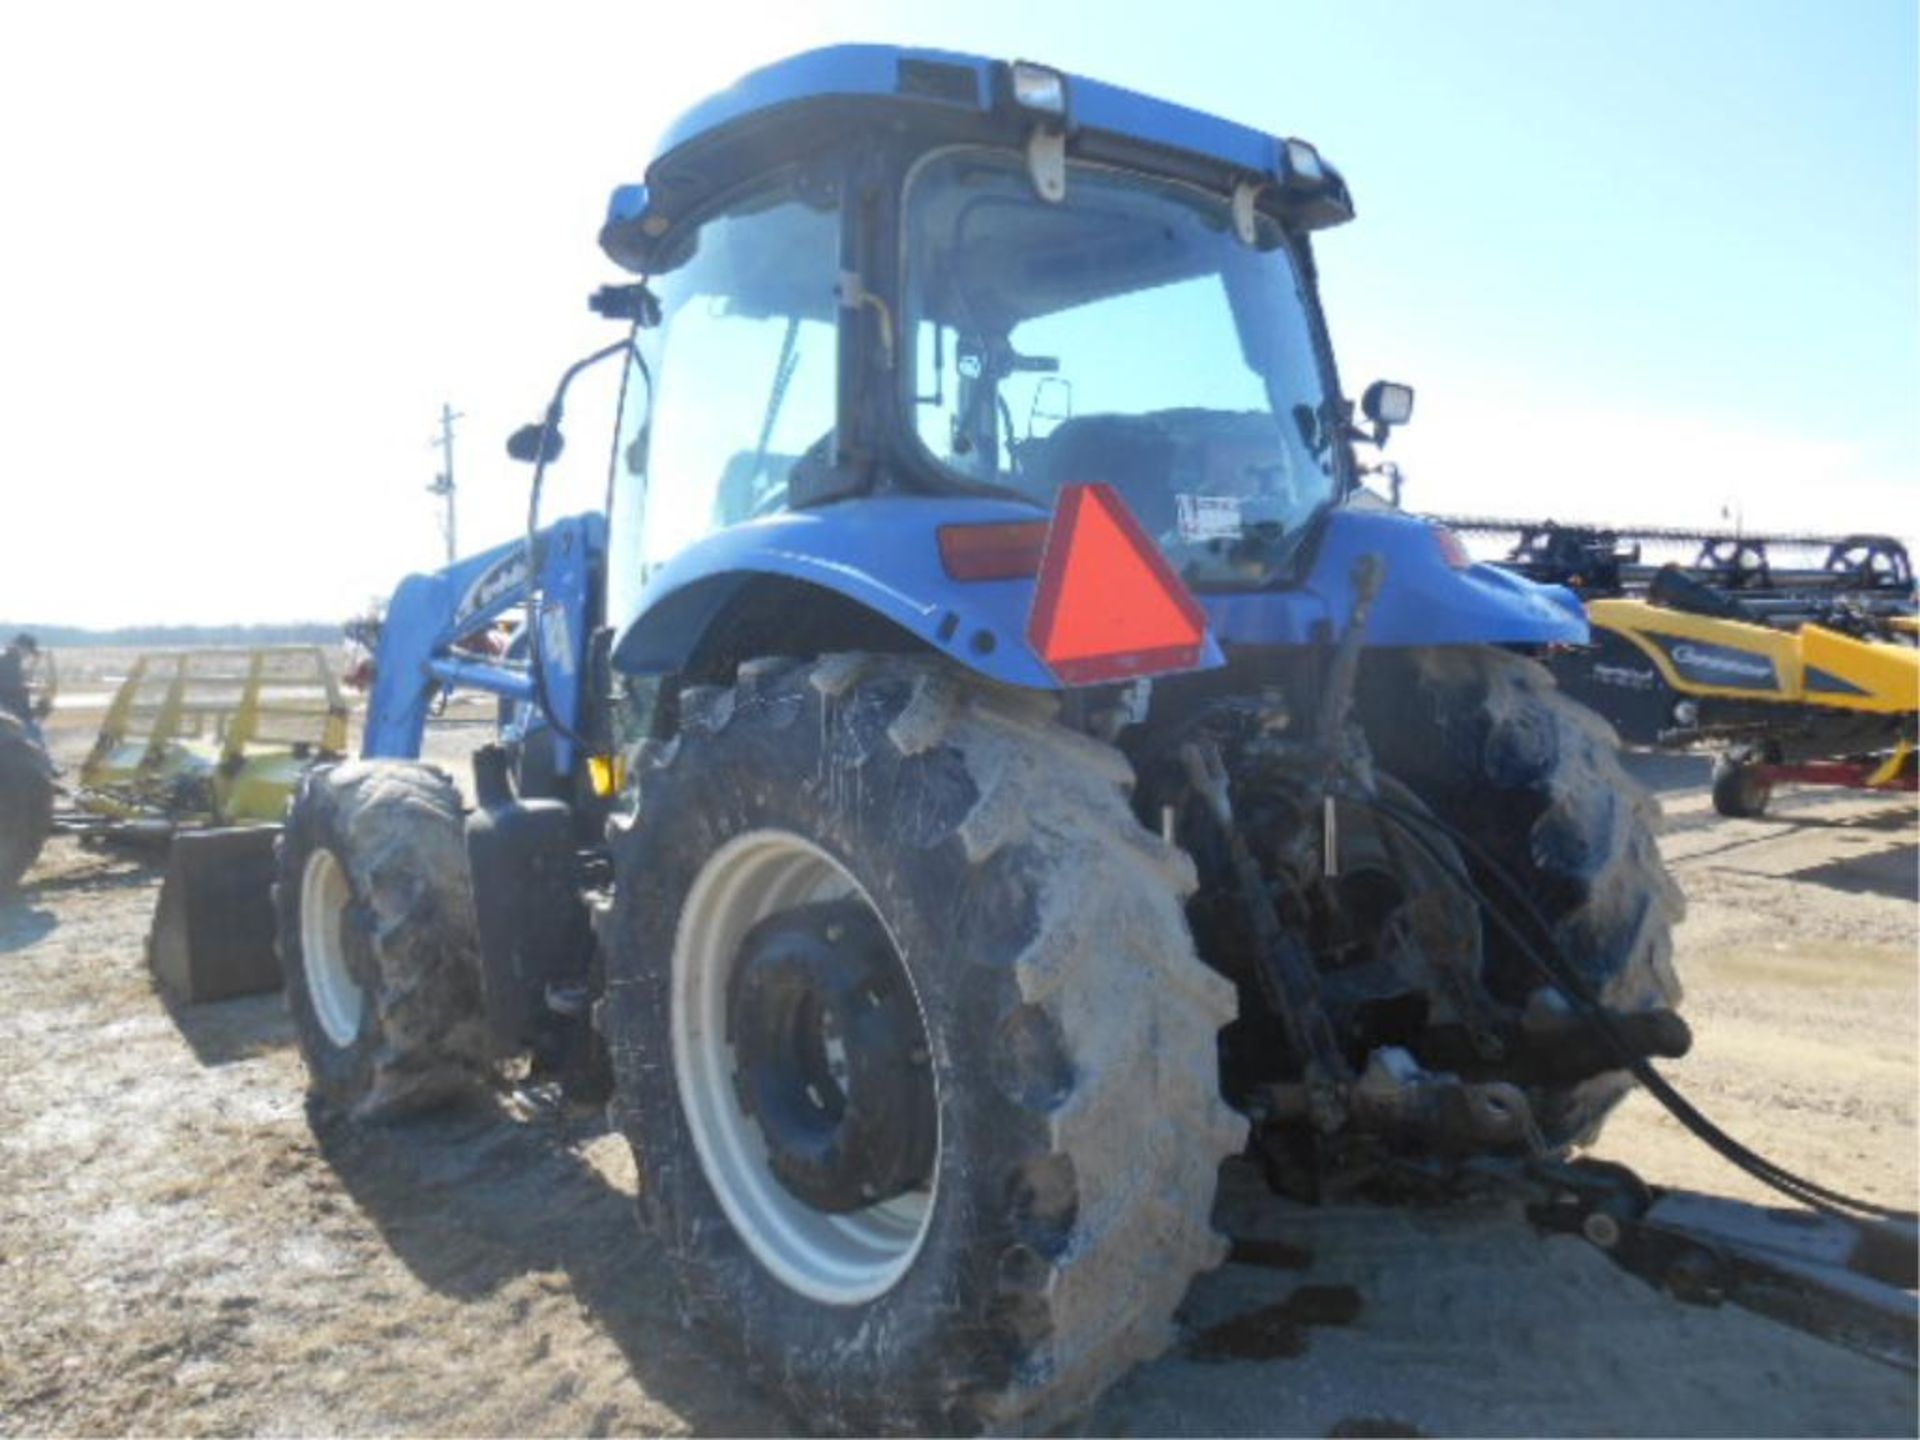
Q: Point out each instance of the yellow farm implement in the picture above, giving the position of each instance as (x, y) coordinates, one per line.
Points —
(203, 750)
(212, 737)
(1793, 654)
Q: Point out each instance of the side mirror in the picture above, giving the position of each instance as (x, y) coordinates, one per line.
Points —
(1387, 405)
(626, 302)
(535, 444)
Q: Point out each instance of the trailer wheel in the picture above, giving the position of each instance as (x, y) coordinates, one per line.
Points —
(914, 1052)
(1740, 790)
(1535, 779)
(26, 800)
(376, 938)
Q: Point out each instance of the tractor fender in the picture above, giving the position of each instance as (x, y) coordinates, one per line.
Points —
(883, 555)
(1429, 599)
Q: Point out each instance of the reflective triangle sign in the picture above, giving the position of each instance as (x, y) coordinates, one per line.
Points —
(1108, 606)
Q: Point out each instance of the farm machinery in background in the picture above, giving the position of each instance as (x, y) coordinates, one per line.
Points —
(198, 755)
(199, 739)
(1794, 655)
(29, 686)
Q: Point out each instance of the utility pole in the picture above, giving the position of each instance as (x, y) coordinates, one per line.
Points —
(443, 482)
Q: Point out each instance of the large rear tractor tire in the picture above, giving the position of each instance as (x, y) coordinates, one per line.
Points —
(1534, 778)
(26, 801)
(914, 1051)
(376, 939)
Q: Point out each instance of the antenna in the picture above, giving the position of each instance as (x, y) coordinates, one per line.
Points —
(443, 482)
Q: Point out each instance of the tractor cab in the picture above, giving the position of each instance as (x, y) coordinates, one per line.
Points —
(962, 287)
(1014, 312)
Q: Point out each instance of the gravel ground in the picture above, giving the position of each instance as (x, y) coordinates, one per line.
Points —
(183, 1251)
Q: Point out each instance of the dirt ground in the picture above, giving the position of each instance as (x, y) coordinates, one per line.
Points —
(183, 1251)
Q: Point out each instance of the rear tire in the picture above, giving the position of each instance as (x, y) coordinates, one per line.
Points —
(1070, 1028)
(1534, 778)
(1739, 792)
(376, 938)
(26, 801)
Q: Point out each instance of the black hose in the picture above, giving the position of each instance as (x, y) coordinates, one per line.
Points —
(1561, 973)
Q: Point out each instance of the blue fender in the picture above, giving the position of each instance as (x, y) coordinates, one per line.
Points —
(1425, 601)
(883, 554)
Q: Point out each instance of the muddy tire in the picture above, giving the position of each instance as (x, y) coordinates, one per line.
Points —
(1069, 1027)
(376, 938)
(1491, 745)
(26, 801)
(1739, 792)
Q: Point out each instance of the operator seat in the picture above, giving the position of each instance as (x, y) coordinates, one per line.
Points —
(1134, 454)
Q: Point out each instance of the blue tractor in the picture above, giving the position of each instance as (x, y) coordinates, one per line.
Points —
(991, 763)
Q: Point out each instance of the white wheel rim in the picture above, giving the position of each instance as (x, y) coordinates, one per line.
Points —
(338, 1001)
(838, 1259)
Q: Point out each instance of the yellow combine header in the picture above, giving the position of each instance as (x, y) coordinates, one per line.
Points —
(1739, 660)
(1793, 653)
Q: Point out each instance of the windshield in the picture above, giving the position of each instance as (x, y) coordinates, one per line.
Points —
(1123, 335)
(744, 369)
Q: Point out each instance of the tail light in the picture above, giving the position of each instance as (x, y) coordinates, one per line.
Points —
(1008, 551)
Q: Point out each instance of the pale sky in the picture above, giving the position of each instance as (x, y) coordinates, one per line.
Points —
(1641, 261)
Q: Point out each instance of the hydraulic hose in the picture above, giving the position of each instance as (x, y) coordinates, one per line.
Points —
(1554, 966)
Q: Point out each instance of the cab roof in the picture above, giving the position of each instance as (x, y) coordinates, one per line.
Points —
(807, 101)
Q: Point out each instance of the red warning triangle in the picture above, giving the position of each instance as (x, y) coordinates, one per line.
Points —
(1108, 606)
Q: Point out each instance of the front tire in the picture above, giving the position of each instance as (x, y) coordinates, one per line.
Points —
(376, 938)
(1039, 1250)
(1493, 748)
(26, 801)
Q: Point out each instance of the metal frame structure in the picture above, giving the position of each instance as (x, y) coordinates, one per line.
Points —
(213, 736)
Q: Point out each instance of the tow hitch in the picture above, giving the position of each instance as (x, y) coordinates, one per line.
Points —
(1851, 1282)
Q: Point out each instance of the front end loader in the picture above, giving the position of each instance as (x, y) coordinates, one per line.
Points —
(990, 765)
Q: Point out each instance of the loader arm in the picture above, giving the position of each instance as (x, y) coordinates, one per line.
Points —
(429, 616)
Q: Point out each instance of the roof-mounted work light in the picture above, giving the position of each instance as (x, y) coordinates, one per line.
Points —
(1038, 89)
(1303, 164)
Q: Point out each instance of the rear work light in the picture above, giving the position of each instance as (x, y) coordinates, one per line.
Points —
(1303, 164)
(1037, 88)
(1005, 551)
(1108, 606)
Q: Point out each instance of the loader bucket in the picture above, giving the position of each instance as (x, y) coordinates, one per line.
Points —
(213, 929)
